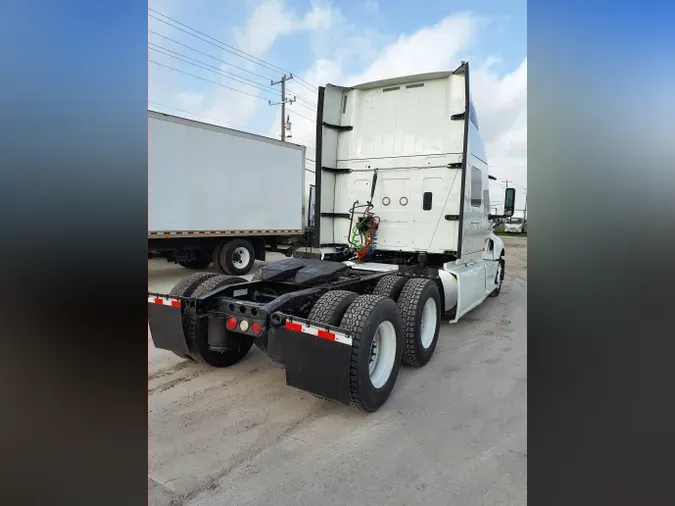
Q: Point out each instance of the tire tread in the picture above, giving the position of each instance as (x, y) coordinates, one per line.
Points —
(390, 286)
(355, 320)
(190, 324)
(408, 302)
(328, 308)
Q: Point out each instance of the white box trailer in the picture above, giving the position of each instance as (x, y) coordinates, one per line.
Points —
(218, 194)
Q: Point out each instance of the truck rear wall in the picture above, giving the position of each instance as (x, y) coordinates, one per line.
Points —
(403, 128)
(205, 178)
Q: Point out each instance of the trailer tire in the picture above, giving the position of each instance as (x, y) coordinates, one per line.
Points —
(390, 286)
(500, 273)
(420, 304)
(215, 256)
(237, 257)
(198, 342)
(373, 319)
(331, 307)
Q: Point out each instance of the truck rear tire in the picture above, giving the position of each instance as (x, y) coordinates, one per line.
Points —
(188, 284)
(198, 341)
(331, 307)
(390, 286)
(377, 343)
(420, 307)
(185, 287)
(237, 257)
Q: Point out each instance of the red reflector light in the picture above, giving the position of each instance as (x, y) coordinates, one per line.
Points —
(231, 323)
(175, 303)
(293, 326)
(158, 300)
(256, 328)
(325, 335)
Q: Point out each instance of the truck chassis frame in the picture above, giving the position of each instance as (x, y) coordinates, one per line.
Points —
(315, 355)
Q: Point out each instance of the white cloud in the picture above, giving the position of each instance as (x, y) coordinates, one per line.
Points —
(271, 19)
(501, 104)
(429, 49)
(347, 53)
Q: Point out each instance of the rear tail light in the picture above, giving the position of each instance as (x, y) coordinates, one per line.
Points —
(256, 328)
(243, 325)
(231, 323)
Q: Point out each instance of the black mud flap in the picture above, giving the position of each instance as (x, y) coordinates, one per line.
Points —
(314, 364)
(166, 327)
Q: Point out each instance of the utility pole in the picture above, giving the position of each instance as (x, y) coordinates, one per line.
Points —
(283, 102)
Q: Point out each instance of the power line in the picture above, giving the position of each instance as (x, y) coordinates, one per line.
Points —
(306, 106)
(248, 129)
(211, 56)
(302, 116)
(198, 63)
(205, 40)
(250, 58)
(300, 97)
(207, 80)
(232, 49)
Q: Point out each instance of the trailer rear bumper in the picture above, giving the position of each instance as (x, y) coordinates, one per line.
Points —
(317, 358)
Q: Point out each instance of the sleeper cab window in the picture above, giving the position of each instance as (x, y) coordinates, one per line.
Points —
(476, 187)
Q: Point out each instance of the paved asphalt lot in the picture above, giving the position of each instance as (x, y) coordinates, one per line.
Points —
(453, 432)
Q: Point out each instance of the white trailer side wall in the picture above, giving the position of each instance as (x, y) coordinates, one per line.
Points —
(205, 178)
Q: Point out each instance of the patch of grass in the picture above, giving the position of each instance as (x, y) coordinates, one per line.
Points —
(507, 234)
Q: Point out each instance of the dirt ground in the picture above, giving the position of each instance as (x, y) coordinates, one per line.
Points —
(453, 432)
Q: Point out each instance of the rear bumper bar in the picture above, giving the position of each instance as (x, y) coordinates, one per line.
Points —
(317, 358)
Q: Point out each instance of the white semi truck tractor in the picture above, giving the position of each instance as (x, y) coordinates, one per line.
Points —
(402, 239)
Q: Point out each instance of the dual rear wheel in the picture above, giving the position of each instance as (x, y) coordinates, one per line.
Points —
(398, 323)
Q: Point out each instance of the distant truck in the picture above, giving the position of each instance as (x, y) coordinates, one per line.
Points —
(220, 195)
(514, 225)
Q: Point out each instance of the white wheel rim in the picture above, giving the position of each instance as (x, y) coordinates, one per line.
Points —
(241, 257)
(428, 325)
(382, 354)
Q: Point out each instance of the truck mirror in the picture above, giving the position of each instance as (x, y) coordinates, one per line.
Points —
(509, 201)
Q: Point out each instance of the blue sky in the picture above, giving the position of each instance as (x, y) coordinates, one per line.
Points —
(342, 42)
